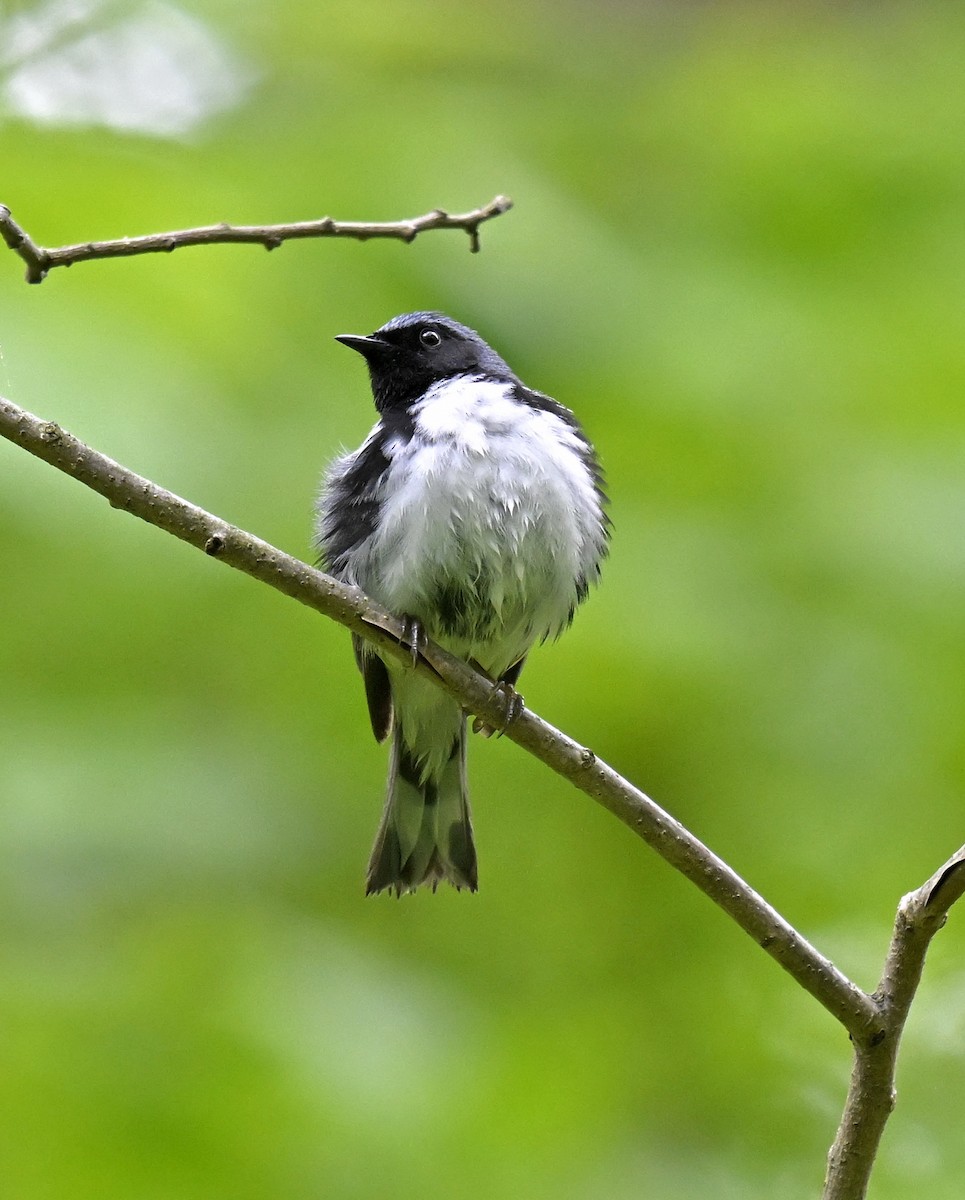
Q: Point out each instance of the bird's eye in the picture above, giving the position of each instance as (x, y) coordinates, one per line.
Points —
(429, 338)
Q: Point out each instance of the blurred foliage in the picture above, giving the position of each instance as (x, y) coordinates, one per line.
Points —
(738, 253)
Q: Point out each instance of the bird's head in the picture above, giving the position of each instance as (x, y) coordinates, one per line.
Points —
(412, 352)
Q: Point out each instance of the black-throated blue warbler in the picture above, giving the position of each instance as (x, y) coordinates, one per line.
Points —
(474, 510)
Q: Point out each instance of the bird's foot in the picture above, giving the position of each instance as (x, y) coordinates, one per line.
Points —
(513, 710)
(413, 636)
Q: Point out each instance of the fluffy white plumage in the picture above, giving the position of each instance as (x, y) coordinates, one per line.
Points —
(494, 493)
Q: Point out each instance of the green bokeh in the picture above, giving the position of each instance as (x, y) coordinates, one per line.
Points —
(738, 253)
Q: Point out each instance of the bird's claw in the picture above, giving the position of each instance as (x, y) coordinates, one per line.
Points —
(413, 636)
(514, 707)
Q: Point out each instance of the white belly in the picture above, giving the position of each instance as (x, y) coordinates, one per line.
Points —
(487, 529)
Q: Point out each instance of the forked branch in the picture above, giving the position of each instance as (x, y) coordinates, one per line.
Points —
(871, 1094)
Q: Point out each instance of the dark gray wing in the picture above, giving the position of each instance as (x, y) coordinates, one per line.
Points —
(378, 691)
(348, 508)
(348, 513)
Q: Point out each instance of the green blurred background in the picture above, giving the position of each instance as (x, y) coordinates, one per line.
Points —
(738, 252)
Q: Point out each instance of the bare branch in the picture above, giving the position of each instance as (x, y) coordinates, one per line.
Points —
(871, 1094)
(857, 1011)
(40, 260)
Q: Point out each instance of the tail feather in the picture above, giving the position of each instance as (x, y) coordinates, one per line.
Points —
(425, 835)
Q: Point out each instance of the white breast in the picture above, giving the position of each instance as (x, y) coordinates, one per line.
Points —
(492, 500)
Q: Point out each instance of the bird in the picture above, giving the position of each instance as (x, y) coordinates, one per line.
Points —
(475, 511)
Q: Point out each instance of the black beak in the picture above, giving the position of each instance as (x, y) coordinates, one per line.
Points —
(370, 348)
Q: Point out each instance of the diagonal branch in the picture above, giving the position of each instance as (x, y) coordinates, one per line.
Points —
(40, 260)
(858, 1012)
(871, 1094)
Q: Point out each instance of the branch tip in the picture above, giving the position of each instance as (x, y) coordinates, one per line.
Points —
(947, 885)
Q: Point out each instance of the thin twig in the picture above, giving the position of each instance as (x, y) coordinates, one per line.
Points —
(857, 1011)
(41, 260)
(871, 1094)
